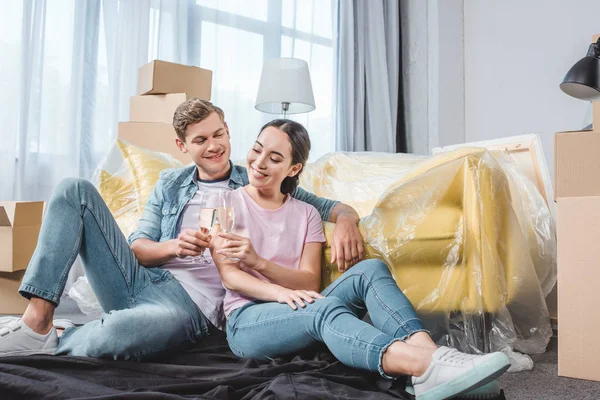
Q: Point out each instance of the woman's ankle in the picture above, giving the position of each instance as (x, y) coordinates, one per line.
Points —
(404, 359)
(422, 339)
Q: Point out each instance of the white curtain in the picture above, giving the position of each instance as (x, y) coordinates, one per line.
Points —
(68, 68)
(367, 62)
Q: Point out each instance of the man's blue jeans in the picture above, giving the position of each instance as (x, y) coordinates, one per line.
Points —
(147, 311)
(266, 330)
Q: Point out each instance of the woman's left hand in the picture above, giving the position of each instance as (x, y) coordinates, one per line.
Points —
(236, 246)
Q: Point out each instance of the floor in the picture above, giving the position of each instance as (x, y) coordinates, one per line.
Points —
(544, 383)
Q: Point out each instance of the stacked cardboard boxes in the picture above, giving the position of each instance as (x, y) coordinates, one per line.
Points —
(162, 87)
(577, 194)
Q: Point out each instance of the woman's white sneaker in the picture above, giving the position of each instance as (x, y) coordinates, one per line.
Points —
(452, 373)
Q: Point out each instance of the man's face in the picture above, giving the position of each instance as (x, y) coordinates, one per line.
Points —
(207, 142)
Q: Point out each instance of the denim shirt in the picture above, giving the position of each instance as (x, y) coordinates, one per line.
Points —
(175, 187)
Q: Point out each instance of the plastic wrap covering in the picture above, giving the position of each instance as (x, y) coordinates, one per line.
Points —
(125, 178)
(469, 239)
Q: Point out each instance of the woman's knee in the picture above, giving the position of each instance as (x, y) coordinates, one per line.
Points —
(329, 307)
(370, 268)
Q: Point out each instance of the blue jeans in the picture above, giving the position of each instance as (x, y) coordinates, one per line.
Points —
(267, 330)
(147, 311)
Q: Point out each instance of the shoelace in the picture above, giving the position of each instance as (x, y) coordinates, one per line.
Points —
(456, 356)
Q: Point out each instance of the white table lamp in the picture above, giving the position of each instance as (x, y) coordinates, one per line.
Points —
(285, 87)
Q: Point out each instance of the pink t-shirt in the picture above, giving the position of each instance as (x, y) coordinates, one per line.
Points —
(277, 235)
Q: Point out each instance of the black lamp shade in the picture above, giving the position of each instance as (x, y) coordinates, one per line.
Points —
(583, 79)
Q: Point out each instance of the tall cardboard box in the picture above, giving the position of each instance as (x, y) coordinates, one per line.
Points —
(155, 108)
(153, 136)
(161, 77)
(576, 164)
(578, 235)
(20, 224)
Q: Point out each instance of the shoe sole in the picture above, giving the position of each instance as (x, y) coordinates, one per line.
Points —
(490, 390)
(49, 351)
(481, 375)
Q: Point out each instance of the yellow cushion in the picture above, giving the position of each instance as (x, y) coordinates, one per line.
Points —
(125, 180)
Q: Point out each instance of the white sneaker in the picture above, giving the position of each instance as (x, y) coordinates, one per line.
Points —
(452, 373)
(6, 320)
(60, 323)
(17, 339)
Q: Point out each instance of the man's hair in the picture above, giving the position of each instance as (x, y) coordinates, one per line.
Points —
(191, 112)
(300, 142)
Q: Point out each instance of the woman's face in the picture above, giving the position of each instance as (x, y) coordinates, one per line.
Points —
(269, 161)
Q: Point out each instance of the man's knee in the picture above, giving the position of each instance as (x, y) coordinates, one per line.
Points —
(75, 190)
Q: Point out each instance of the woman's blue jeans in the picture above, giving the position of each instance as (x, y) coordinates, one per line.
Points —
(267, 330)
(147, 311)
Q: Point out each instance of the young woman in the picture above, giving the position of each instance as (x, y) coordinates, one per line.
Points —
(270, 268)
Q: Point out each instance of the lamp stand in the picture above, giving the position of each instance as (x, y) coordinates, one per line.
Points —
(285, 106)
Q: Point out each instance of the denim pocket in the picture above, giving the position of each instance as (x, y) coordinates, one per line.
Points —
(159, 275)
(230, 340)
(169, 214)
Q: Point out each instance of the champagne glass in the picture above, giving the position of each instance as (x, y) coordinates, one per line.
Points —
(206, 220)
(226, 214)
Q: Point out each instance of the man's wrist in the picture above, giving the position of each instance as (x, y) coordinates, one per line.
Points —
(171, 246)
(349, 217)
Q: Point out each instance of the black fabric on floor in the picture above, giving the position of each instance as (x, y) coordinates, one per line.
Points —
(209, 370)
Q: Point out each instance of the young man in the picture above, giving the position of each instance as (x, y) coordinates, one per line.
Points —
(150, 310)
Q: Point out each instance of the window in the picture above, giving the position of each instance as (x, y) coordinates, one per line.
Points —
(233, 39)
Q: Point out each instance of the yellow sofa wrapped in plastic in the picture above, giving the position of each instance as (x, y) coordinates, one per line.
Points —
(468, 238)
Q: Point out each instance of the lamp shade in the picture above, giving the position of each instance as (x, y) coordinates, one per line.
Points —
(583, 79)
(283, 81)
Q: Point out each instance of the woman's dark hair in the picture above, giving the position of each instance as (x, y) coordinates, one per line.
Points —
(300, 148)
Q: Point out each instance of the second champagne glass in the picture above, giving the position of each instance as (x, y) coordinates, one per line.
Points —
(226, 214)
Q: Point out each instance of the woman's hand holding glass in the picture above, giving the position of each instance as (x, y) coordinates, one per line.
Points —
(239, 248)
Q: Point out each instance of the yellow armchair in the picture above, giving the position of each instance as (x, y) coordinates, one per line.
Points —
(465, 237)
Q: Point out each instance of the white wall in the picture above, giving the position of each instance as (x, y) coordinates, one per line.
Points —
(516, 53)
(477, 70)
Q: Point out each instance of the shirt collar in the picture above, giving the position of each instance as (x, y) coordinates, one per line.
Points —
(191, 177)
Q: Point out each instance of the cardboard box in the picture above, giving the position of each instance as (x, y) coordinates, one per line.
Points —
(161, 77)
(20, 224)
(153, 136)
(578, 234)
(596, 115)
(11, 302)
(576, 164)
(155, 108)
